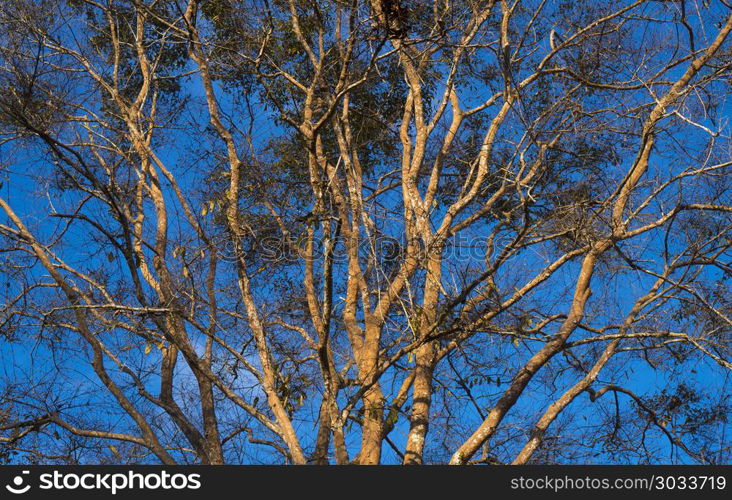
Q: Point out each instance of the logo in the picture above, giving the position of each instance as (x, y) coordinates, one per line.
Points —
(18, 487)
(112, 482)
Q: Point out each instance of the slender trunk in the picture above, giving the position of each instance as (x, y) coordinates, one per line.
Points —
(421, 400)
(373, 399)
(426, 357)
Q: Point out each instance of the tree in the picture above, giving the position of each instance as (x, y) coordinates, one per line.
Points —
(319, 231)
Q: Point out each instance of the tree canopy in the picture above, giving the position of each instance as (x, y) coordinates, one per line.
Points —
(363, 232)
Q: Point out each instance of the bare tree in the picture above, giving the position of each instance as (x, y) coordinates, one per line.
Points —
(318, 231)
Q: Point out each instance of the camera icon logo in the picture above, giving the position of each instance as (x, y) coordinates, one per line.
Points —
(17, 487)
